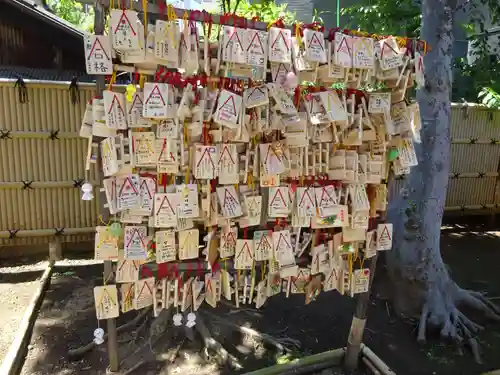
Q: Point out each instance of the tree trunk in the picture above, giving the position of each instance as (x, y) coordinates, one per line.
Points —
(423, 286)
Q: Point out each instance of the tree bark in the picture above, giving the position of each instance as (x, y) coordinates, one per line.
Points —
(423, 286)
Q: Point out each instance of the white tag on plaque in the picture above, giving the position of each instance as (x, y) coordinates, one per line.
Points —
(263, 245)
(232, 42)
(256, 47)
(280, 41)
(165, 246)
(229, 202)
(282, 244)
(205, 166)
(343, 50)
(155, 100)
(315, 46)
(124, 25)
(228, 164)
(228, 109)
(306, 202)
(188, 207)
(188, 244)
(228, 238)
(279, 202)
(384, 237)
(98, 55)
(135, 243)
(106, 302)
(127, 192)
(114, 107)
(244, 256)
(165, 209)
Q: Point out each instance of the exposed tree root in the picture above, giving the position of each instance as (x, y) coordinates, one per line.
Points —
(279, 344)
(441, 310)
(210, 342)
(76, 354)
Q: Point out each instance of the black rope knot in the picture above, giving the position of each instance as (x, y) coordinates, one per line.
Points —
(12, 233)
(481, 174)
(27, 184)
(54, 134)
(493, 141)
(22, 90)
(473, 141)
(78, 182)
(58, 232)
(456, 174)
(5, 134)
(74, 92)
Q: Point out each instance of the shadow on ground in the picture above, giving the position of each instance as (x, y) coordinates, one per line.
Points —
(67, 320)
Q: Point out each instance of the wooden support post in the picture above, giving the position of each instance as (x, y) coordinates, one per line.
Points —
(99, 22)
(55, 249)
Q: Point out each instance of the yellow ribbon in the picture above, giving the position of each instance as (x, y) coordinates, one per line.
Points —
(112, 80)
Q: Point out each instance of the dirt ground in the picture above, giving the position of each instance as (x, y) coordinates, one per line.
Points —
(67, 320)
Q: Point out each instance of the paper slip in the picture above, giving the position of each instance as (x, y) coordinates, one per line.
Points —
(229, 202)
(338, 218)
(384, 237)
(98, 55)
(327, 198)
(106, 302)
(165, 209)
(306, 202)
(127, 192)
(370, 244)
(168, 128)
(155, 100)
(343, 50)
(167, 156)
(244, 255)
(407, 155)
(188, 244)
(320, 260)
(379, 102)
(332, 280)
(274, 158)
(127, 271)
(114, 107)
(228, 238)
(188, 207)
(261, 297)
(143, 146)
(109, 157)
(143, 293)
(360, 281)
(147, 190)
(135, 243)
(253, 205)
(256, 96)
(333, 106)
(127, 297)
(232, 44)
(124, 26)
(165, 246)
(279, 202)
(134, 112)
(228, 109)
(205, 162)
(282, 244)
(315, 46)
(263, 245)
(388, 54)
(106, 244)
(256, 47)
(167, 36)
(228, 164)
(280, 41)
(363, 53)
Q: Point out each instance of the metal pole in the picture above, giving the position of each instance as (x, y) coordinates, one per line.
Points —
(99, 22)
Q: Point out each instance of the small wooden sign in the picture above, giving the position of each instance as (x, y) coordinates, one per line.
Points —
(106, 302)
(384, 237)
(143, 294)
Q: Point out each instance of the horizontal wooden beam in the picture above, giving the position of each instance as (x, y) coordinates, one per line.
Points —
(20, 233)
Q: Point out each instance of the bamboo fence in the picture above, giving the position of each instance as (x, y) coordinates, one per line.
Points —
(43, 163)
